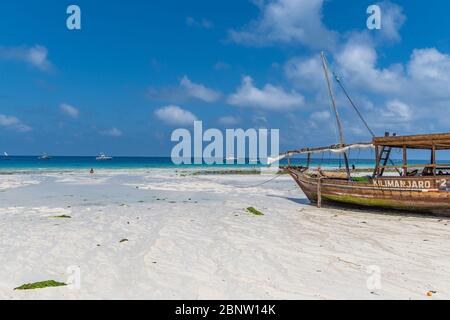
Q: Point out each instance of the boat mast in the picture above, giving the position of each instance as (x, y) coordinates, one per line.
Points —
(333, 103)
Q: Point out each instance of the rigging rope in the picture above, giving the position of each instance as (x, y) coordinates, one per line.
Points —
(257, 185)
(338, 80)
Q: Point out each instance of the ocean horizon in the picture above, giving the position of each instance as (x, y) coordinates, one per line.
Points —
(142, 162)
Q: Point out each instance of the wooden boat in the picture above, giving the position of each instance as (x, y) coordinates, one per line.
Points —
(415, 187)
(411, 187)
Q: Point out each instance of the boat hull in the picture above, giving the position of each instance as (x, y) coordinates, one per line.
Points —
(430, 195)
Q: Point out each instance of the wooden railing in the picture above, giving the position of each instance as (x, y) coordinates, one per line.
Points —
(438, 165)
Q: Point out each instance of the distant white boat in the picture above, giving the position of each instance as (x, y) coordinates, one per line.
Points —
(103, 157)
(6, 156)
(230, 158)
(44, 156)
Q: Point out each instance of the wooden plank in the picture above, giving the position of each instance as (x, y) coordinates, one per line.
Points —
(415, 146)
(438, 165)
(319, 193)
(377, 159)
(433, 159)
(440, 141)
(405, 161)
(413, 138)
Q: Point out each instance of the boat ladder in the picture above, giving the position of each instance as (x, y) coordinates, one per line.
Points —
(384, 158)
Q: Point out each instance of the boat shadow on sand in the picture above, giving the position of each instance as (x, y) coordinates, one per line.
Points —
(303, 201)
(366, 210)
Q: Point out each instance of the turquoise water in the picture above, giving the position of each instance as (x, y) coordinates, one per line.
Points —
(32, 162)
(68, 163)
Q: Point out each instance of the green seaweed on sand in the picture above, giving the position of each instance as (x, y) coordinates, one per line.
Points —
(61, 217)
(41, 285)
(254, 211)
(123, 240)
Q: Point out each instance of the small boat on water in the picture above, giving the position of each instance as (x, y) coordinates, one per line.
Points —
(422, 188)
(44, 156)
(103, 157)
(6, 156)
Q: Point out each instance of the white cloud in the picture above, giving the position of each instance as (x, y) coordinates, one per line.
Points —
(357, 62)
(229, 120)
(397, 111)
(289, 22)
(294, 22)
(259, 121)
(37, 56)
(203, 23)
(13, 123)
(429, 65)
(175, 115)
(268, 98)
(69, 110)
(305, 72)
(199, 91)
(391, 95)
(392, 19)
(423, 80)
(429, 70)
(415, 90)
(113, 132)
(221, 66)
(186, 90)
(320, 116)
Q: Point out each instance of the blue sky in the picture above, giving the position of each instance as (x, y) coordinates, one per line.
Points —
(138, 70)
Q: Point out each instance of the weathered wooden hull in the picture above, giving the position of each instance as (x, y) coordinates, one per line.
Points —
(418, 194)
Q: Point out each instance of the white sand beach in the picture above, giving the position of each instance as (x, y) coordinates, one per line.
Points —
(161, 234)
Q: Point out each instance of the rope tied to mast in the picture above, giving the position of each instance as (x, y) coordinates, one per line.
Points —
(338, 80)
